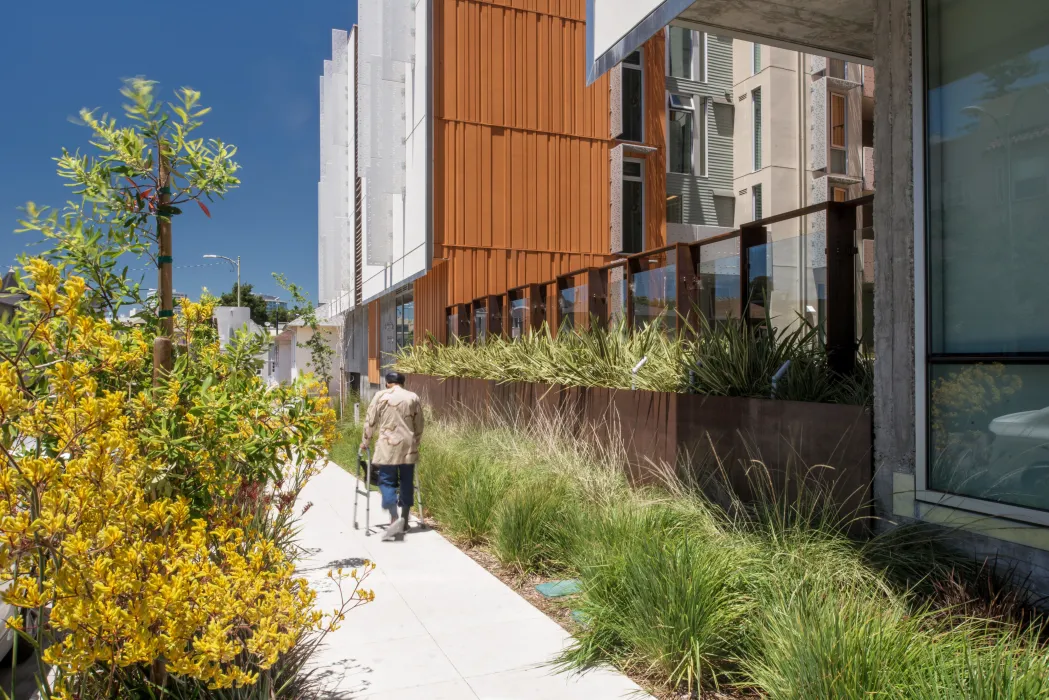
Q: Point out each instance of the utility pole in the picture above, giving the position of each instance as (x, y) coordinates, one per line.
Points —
(162, 346)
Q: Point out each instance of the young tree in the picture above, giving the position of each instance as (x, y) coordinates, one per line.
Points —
(130, 189)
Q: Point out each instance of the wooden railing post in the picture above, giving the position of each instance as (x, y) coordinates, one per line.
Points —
(557, 315)
(597, 288)
(841, 287)
(465, 322)
(634, 266)
(495, 315)
(749, 236)
(686, 288)
(536, 307)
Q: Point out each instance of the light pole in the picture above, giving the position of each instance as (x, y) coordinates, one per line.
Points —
(231, 261)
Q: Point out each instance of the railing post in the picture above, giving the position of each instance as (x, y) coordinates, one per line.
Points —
(597, 288)
(557, 315)
(686, 289)
(536, 307)
(634, 266)
(749, 236)
(841, 287)
(495, 315)
(465, 322)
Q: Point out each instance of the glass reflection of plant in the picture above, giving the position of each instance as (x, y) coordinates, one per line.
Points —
(963, 405)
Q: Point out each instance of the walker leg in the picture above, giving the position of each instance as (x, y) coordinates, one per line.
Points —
(356, 494)
(368, 499)
(419, 500)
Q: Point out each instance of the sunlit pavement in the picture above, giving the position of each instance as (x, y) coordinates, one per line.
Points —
(441, 627)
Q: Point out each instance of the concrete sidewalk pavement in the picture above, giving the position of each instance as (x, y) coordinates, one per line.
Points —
(441, 627)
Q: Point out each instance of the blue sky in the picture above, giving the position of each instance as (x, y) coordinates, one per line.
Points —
(256, 63)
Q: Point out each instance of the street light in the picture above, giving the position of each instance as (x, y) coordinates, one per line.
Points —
(231, 261)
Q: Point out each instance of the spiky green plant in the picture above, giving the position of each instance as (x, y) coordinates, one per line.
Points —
(726, 359)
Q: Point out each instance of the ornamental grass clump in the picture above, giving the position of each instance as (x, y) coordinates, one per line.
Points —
(149, 526)
(731, 358)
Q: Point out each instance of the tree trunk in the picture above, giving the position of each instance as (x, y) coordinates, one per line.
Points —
(163, 359)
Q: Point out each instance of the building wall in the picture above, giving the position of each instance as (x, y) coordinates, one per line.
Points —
(335, 211)
(520, 151)
(697, 192)
(431, 303)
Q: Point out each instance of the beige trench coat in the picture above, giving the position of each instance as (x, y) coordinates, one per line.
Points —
(395, 419)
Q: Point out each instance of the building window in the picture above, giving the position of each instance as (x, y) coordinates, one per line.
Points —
(633, 99)
(837, 68)
(759, 209)
(755, 97)
(680, 48)
(405, 310)
(986, 334)
(633, 206)
(682, 133)
(755, 59)
(839, 194)
(838, 154)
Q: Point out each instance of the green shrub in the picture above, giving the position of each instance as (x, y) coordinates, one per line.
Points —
(536, 525)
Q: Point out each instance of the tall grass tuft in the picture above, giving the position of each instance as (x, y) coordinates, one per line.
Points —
(816, 642)
(536, 525)
(661, 596)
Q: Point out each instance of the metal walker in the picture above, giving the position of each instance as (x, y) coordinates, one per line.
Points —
(364, 475)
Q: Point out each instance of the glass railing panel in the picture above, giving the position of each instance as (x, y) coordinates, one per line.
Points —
(719, 280)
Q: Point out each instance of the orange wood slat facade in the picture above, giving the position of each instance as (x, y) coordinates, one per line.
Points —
(521, 150)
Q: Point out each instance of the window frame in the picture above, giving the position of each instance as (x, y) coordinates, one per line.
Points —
(691, 53)
(831, 146)
(755, 58)
(923, 494)
(757, 196)
(637, 178)
(690, 108)
(640, 68)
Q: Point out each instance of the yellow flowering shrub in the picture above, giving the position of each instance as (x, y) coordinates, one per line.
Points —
(148, 523)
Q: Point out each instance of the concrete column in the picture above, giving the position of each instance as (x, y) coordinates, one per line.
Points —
(894, 417)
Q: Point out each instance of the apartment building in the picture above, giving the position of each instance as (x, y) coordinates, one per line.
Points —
(463, 154)
(804, 134)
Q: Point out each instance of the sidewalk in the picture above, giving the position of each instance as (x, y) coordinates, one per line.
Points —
(440, 628)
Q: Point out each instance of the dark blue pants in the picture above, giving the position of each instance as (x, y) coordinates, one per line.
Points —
(392, 476)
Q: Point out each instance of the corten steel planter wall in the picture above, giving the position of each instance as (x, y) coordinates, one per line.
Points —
(716, 438)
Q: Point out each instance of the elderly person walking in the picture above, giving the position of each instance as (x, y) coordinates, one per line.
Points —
(397, 415)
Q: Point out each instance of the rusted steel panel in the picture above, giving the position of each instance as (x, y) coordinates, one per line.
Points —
(724, 442)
